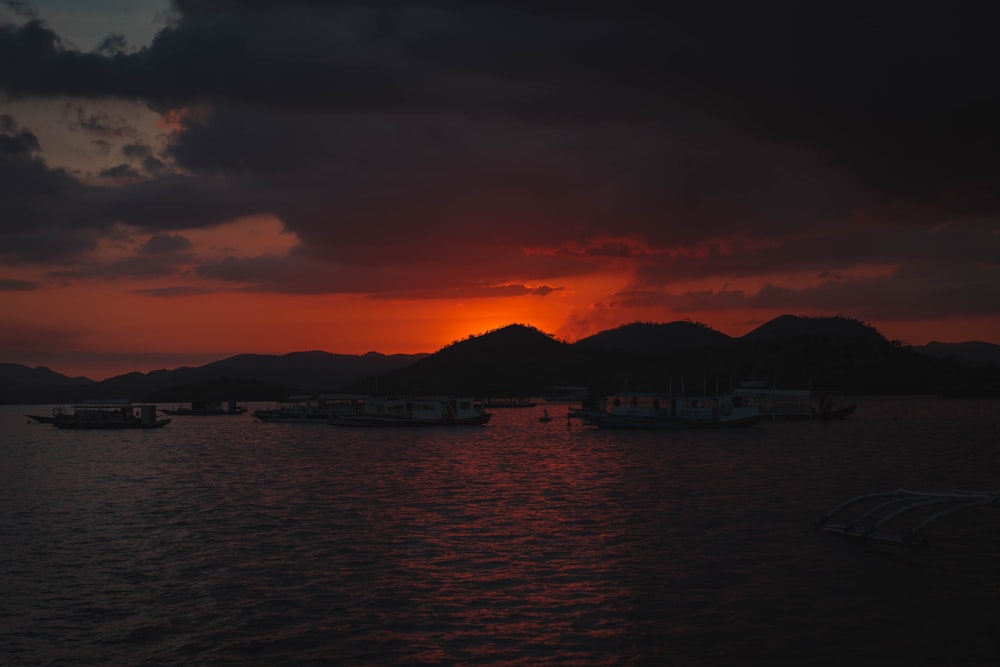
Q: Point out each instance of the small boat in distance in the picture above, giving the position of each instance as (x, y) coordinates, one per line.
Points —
(415, 412)
(631, 410)
(108, 414)
(509, 402)
(567, 395)
(205, 409)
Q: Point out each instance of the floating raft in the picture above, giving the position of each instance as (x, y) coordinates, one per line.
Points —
(900, 516)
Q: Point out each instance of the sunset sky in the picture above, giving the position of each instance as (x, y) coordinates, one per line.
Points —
(183, 181)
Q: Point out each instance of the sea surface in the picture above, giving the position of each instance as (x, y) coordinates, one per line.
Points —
(224, 541)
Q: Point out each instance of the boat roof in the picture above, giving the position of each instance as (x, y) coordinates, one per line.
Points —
(772, 392)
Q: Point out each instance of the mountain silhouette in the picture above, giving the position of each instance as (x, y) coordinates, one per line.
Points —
(793, 326)
(678, 336)
(21, 384)
(976, 353)
(520, 360)
(514, 360)
(253, 376)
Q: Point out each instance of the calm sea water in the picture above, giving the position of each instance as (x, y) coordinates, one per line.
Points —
(222, 541)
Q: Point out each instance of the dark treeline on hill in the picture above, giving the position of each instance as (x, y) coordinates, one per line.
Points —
(517, 360)
(788, 352)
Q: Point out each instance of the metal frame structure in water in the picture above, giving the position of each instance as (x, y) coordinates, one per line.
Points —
(899, 516)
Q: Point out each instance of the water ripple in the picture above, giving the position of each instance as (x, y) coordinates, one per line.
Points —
(224, 541)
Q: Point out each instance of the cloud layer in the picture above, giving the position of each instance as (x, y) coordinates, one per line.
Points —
(836, 156)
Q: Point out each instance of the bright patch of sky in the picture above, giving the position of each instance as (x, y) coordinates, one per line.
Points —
(84, 24)
(86, 136)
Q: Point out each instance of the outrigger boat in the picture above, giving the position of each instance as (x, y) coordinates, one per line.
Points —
(415, 412)
(113, 414)
(902, 515)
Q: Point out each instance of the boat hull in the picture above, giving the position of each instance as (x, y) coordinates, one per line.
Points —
(605, 420)
(107, 416)
(310, 409)
(41, 419)
(664, 412)
(107, 426)
(183, 412)
(366, 420)
(397, 412)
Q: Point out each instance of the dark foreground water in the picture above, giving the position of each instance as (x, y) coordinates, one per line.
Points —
(221, 541)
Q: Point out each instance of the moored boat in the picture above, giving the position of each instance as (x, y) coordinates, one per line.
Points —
(205, 409)
(311, 408)
(110, 414)
(415, 412)
(632, 410)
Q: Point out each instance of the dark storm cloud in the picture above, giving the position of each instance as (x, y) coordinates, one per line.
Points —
(976, 242)
(160, 244)
(892, 92)
(934, 291)
(14, 285)
(47, 215)
(14, 141)
(137, 150)
(176, 291)
(102, 123)
(30, 195)
(161, 255)
(120, 171)
(144, 154)
(305, 275)
(823, 134)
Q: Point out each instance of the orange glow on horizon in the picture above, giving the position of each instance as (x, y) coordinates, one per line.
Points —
(99, 328)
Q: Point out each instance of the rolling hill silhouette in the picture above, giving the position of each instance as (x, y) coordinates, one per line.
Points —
(520, 360)
(677, 336)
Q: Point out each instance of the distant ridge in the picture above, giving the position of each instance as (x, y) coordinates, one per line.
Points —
(23, 384)
(264, 376)
(520, 360)
(971, 352)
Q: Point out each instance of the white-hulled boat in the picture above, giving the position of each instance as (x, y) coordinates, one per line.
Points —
(632, 410)
(311, 408)
(416, 412)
